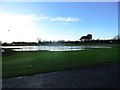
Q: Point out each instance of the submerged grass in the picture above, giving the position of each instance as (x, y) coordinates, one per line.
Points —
(29, 63)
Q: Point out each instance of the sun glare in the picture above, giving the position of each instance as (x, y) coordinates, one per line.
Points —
(17, 27)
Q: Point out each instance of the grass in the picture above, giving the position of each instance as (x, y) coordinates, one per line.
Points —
(29, 63)
(114, 45)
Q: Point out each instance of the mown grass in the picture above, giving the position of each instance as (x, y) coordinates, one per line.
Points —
(114, 45)
(29, 63)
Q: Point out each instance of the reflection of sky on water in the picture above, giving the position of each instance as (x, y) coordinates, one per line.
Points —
(51, 48)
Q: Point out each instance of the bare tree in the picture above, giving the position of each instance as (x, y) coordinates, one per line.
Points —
(39, 40)
(117, 37)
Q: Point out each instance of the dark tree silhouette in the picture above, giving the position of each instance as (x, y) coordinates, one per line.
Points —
(86, 38)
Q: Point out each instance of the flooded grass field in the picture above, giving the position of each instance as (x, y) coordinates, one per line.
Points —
(51, 48)
(17, 63)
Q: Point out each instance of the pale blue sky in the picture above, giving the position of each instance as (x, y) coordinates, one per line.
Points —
(60, 20)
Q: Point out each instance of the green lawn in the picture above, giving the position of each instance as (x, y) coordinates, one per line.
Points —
(29, 63)
(95, 44)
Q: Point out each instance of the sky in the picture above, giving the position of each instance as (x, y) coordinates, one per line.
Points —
(28, 21)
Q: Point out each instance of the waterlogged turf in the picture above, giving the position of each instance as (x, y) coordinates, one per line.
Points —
(29, 63)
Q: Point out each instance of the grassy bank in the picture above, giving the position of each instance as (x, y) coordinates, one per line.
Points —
(29, 63)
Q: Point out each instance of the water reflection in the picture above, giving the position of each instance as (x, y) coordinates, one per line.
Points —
(51, 48)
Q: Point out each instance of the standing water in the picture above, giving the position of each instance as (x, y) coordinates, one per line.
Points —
(51, 48)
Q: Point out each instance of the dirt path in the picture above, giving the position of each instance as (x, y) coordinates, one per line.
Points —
(106, 76)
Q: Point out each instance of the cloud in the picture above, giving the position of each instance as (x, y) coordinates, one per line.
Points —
(23, 27)
(57, 19)
(39, 18)
(65, 19)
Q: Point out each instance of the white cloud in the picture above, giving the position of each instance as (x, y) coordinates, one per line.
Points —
(39, 18)
(21, 27)
(58, 19)
(65, 19)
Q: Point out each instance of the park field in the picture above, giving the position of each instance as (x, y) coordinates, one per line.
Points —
(30, 63)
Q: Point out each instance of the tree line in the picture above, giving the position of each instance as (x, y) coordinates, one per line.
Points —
(60, 42)
(83, 40)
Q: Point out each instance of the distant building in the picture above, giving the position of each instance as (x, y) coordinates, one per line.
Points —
(86, 38)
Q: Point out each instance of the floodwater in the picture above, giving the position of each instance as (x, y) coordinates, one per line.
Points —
(51, 48)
